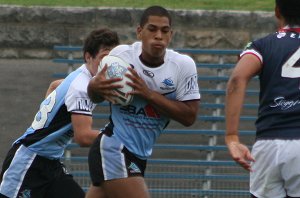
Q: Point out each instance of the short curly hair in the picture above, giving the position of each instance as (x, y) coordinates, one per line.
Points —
(154, 11)
(98, 39)
(290, 10)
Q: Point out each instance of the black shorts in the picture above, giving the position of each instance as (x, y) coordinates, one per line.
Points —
(35, 178)
(109, 159)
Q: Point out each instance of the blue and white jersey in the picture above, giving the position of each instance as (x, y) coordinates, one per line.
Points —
(279, 109)
(139, 124)
(51, 130)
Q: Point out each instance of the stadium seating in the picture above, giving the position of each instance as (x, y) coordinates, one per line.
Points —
(186, 161)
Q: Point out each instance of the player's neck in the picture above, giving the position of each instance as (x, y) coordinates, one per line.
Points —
(152, 63)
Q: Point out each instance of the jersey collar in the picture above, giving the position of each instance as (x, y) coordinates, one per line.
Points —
(290, 29)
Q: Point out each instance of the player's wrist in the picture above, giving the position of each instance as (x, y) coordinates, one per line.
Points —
(232, 139)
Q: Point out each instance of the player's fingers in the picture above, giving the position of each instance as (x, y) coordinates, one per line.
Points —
(110, 99)
(103, 70)
(244, 163)
(132, 71)
(113, 82)
(133, 75)
(250, 157)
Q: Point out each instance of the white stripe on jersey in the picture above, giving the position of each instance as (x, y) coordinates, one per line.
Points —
(255, 53)
(14, 175)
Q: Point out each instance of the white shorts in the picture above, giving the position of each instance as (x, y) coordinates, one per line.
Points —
(276, 170)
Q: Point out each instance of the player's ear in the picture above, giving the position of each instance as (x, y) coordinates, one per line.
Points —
(139, 32)
(87, 57)
(171, 33)
(277, 12)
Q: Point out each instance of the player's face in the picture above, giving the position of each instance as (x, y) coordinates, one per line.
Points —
(155, 35)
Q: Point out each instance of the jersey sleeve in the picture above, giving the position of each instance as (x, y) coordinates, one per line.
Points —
(253, 48)
(77, 100)
(188, 88)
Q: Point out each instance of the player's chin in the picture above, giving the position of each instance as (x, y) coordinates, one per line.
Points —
(158, 53)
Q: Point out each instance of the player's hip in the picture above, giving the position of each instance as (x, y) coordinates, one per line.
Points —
(110, 159)
(24, 170)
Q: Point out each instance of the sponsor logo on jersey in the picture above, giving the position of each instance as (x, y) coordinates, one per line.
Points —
(284, 104)
(147, 111)
(281, 34)
(148, 73)
(168, 84)
(248, 45)
(191, 84)
(146, 118)
(84, 104)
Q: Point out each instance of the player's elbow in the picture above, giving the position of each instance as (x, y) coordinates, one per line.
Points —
(190, 115)
(189, 120)
(54, 84)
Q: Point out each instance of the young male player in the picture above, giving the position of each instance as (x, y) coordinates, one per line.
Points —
(165, 87)
(32, 167)
(275, 161)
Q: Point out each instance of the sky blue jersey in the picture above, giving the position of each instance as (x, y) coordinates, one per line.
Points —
(51, 130)
(139, 124)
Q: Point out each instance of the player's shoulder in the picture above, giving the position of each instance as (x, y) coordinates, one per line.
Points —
(78, 79)
(179, 58)
(269, 39)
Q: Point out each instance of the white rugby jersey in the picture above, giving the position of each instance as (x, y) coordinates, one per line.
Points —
(51, 130)
(139, 124)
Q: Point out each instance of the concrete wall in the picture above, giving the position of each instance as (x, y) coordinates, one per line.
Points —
(31, 32)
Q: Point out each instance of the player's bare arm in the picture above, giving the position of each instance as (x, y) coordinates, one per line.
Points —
(84, 135)
(246, 68)
(53, 85)
(183, 112)
(100, 88)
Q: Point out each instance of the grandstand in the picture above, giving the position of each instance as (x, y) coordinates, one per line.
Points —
(186, 162)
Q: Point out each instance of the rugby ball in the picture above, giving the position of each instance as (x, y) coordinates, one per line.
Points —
(116, 68)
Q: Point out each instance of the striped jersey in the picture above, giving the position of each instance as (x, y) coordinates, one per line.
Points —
(51, 130)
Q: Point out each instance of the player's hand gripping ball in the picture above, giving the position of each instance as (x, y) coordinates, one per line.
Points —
(116, 68)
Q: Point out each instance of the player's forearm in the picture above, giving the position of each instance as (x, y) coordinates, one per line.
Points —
(235, 94)
(182, 112)
(87, 139)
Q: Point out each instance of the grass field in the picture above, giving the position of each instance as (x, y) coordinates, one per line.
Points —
(265, 5)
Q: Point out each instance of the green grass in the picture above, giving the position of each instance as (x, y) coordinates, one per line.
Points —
(250, 5)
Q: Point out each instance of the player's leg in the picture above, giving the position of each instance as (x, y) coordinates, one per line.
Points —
(115, 169)
(21, 175)
(133, 187)
(96, 174)
(95, 192)
(265, 179)
(65, 186)
(290, 167)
